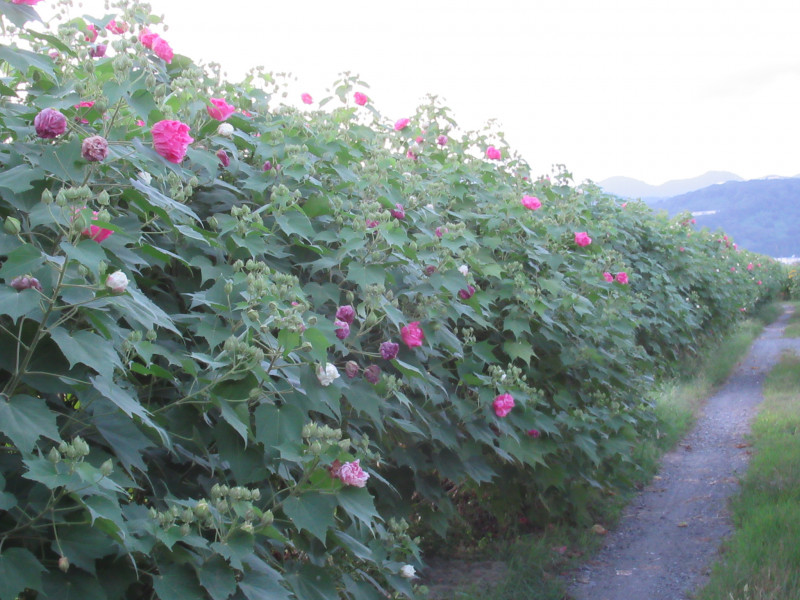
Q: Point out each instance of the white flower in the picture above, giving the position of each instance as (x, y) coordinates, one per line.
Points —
(429, 206)
(463, 269)
(144, 177)
(117, 281)
(408, 572)
(327, 375)
(225, 130)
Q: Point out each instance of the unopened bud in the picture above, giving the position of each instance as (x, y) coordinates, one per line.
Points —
(107, 468)
(12, 226)
(63, 564)
(103, 198)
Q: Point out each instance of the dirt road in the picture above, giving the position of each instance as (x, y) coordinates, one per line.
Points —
(670, 534)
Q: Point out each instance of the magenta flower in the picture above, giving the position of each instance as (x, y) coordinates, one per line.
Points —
(503, 404)
(220, 110)
(534, 433)
(622, 277)
(50, 123)
(351, 368)
(398, 212)
(372, 374)
(360, 98)
(147, 37)
(267, 166)
(412, 334)
(342, 329)
(223, 157)
(493, 153)
(389, 350)
(346, 313)
(608, 277)
(430, 270)
(171, 139)
(467, 293)
(439, 231)
(98, 51)
(91, 33)
(306, 98)
(372, 223)
(582, 238)
(441, 140)
(117, 28)
(163, 50)
(94, 148)
(28, 2)
(351, 473)
(531, 202)
(750, 266)
(401, 124)
(25, 282)
(95, 232)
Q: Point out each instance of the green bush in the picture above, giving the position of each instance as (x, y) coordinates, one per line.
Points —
(198, 352)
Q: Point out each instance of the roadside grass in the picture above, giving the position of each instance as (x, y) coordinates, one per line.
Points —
(538, 561)
(762, 559)
(793, 327)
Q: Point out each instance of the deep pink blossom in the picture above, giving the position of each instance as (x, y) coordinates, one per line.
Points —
(493, 153)
(398, 212)
(220, 110)
(91, 33)
(467, 293)
(351, 473)
(346, 313)
(750, 266)
(389, 350)
(95, 232)
(412, 334)
(147, 38)
(351, 368)
(50, 123)
(98, 51)
(582, 238)
(372, 374)
(360, 98)
(503, 404)
(307, 99)
(94, 148)
(28, 2)
(622, 277)
(223, 157)
(441, 140)
(534, 433)
(24, 282)
(163, 50)
(267, 166)
(531, 202)
(608, 277)
(117, 28)
(171, 139)
(401, 124)
(342, 329)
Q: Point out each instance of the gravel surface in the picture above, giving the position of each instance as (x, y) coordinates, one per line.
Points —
(670, 534)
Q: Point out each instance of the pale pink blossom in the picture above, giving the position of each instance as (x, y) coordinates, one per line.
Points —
(117, 282)
(351, 473)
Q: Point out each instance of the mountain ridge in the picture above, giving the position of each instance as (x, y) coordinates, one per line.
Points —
(628, 187)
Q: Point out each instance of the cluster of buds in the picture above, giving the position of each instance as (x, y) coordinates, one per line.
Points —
(282, 198)
(468, 335)
(179, 190)
(67, 195)
(320, 438)
(74, 452)
(241, 350)
(510, 377)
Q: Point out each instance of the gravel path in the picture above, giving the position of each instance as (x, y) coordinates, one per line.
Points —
(670, 534)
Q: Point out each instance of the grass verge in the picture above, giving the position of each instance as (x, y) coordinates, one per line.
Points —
(537, 561)
(762, 559)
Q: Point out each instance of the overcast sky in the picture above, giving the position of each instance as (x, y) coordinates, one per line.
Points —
(647, 89)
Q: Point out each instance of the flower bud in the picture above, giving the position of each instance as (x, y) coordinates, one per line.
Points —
(12, 226)
(102, 198)
(267, 518)
(229, 288)
(63, 564)
(54, 456)
(107, 468)
(47, 197)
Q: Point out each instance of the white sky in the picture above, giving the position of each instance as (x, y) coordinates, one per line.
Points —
(647, 89)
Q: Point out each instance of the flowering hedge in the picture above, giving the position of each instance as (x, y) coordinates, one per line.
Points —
(248, 349)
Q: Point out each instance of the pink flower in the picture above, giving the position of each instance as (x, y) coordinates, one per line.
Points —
(360, 99)
(467, 293)
(350, 473)
(117, 28)
(682, 249)
(346, 313)
(398, 212)
(441, 140)
(117, 282)
(351, 368)
(733, 269)
(220, 110)
(608, 277)
(95, 232)
(371, 223)
(342, 329)
(531, 202)
(163, 50)
(440, 231)
(91, 33)
(419, 139)
(622, 277)
(223, 157)
(147, 37)
(28, 2)
(50, 123)
(401, 124)
(389, 350)
(758, 282)
(503, 404)
(171, 139)
(267, 166)
(493, 153)
(430, 270)
(98, 51)
(372, 374)
(750, 267)
(85, 104)
(94, 148)
(412, 334)
(25, 282)
(307, 99)
(410, 154)
(140, 123)
(582, 238)
(534, 433)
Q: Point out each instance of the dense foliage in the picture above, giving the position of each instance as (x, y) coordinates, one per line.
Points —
(250, 350)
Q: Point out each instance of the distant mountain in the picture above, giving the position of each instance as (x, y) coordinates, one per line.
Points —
(762, 215)
(628, 187)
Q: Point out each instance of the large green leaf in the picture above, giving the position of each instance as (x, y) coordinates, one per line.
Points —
(17, 304)
(177, 582)
(89, 349)
(23, 260)
(313, 512)
(262, 582)
(19, 179)
(19, 569)
(24, 419)
(218, 578)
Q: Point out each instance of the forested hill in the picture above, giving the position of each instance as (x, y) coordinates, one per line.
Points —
(762, 215)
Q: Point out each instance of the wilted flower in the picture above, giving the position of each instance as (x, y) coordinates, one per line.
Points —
(342, 329)
(328, 374)
(220, 110)
(389, 350)
(360, 98)
(493, 153)
(50, 123)
(351, 368)
(117, 282)
(94, 148)
(412, 334)
(582, 238)
(398, 212)
(98, 51)
(372, 374)
(401, 124)
(171, 139)
(346, 313)
(25, 282)
(534, 433)
(115, 27)
(267, 166)
(91, 33)
(503, 404)
(350, 473)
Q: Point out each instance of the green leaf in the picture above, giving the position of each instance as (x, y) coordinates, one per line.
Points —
(177, 582)
(280, 427)
(18, 304)
(358, 502)
(74, 585)
(236, 547)
(121, 397)
(23, 60)
(262, 582)
(519, 350)
(19, 179)
(313, 583)
(19, 569)
(123, 437)
(21, 261)
(319, 344)
(87, 348)
(83, 545)
(313, 512)
(217, 577)
(88, 253)
(24, 419)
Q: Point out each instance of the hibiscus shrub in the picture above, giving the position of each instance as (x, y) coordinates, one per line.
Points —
(247, 349)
